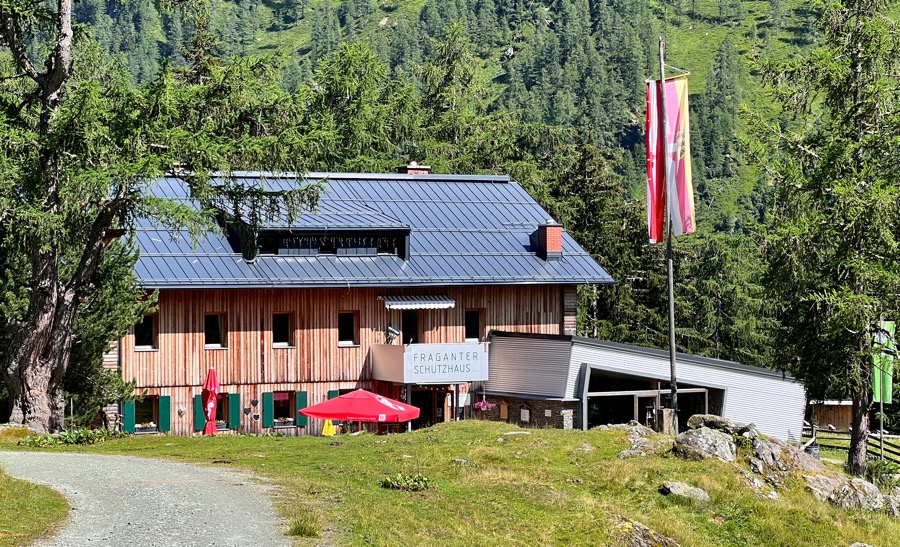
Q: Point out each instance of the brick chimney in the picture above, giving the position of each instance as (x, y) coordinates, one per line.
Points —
(549, 237)
(414, 169)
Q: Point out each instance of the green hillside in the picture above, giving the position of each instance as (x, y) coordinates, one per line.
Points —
(495, 483)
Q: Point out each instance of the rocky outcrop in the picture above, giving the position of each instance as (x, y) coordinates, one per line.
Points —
(821, 486)
(682, 490)
(643, 442)
(858, 494)
(722, 424)
(705, 443)
(892, 506)
(634, 534)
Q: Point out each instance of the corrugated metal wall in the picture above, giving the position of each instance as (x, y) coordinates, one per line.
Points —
(776, 406)
(529, 366)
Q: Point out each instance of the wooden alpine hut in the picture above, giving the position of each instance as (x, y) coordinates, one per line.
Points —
(392, 284)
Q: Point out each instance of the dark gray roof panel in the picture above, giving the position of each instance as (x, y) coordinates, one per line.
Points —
(464, 230)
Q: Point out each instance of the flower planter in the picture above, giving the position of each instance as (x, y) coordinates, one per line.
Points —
(139, 429)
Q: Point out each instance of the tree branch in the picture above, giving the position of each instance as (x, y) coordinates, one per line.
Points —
(12, 35)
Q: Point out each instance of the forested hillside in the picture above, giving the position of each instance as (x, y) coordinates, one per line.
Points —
(562, 82)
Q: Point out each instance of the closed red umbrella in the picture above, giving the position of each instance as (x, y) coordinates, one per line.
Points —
(362, 406)
(208, 397)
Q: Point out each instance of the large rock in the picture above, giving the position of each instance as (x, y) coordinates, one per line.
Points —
(822, 486)
(796, 458)
(633, 534)
(858, 494)
(682, 490)
(722, 424)
(642, 443)
(892, 506)
(705, 443)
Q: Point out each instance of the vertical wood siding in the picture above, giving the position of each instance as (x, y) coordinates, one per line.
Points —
(250, 365)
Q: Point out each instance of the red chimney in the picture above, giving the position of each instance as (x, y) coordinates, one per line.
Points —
(550, 240)
(414, 169)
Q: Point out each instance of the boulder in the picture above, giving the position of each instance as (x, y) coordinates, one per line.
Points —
(768, 461)
(682, 490)
(634, 534)
(796, 458)
(705, 443)
(892, 506)
(641, 443)
(858, 494)
(822, 486)
(722, 424)
(860, 544)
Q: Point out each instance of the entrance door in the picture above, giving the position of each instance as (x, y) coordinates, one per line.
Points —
(410, 327)
(424, 400)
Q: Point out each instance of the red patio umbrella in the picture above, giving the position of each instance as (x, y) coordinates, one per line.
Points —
(208, 397)
(362, 406)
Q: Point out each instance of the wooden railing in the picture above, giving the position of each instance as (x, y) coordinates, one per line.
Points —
(840, 440)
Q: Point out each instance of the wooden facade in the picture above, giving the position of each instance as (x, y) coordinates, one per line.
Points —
(314, 364)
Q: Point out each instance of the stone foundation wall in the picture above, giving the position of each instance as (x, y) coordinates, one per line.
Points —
(541, 413)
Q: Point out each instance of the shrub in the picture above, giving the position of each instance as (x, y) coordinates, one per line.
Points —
(405, 481)
(885, 474)
(76, 436)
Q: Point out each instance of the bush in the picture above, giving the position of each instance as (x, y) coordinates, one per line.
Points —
(885, 474)
(76, 436)
(404, 481)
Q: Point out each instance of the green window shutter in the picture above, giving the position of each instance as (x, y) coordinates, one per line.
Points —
(234, 411)
(199, 415)
(165, 413)
(268, 413)
(333, 393)
(301, 403)
(128, 409)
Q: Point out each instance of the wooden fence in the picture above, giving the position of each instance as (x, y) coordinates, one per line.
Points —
(840, 440)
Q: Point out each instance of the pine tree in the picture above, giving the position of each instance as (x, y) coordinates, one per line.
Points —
(833, 252)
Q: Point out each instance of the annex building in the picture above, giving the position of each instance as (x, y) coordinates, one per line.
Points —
(392, 284)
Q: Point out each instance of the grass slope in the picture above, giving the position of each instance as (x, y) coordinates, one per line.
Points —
(27, 511)
(544, 487)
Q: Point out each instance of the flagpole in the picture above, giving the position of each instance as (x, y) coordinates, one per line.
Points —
(665, 117)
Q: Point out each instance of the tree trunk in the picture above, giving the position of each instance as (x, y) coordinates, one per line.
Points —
(859, 437)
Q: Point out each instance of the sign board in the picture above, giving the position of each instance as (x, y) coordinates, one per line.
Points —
(445, 363)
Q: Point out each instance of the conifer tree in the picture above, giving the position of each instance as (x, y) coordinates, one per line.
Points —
(833, 251)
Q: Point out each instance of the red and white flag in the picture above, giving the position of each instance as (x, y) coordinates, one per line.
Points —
(674, 149)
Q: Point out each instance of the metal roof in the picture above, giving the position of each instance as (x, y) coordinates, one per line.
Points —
(464, 230)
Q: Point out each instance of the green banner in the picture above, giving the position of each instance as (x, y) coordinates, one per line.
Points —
(883, 370)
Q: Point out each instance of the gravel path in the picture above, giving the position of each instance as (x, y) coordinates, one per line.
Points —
(124, 501)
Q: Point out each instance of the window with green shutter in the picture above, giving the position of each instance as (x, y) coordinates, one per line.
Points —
(199, 415)
(268, 409)
(234, 411)
(300, 399)
(333, 393)
(128, 411)
(165, 413)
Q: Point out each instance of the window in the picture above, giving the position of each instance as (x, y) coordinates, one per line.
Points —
(145, 415)
(145, 333)
(281, 330)
(214, 331)
(473, 325)
(222, 411)
(283, 408)
(348, 328)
